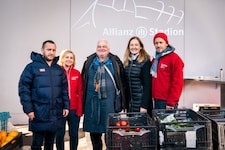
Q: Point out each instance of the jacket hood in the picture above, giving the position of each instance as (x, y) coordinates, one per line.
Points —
(38, 57)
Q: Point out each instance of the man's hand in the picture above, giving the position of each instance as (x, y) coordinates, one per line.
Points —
(31, 115)
(143, 110)
(65, 112)
(169, 107)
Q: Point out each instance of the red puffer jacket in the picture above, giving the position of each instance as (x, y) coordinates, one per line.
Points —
(75, 87)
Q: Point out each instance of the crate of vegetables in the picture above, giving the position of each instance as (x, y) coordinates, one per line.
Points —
(183, 129)
(218, 127)
(11, 140)
(131, 131)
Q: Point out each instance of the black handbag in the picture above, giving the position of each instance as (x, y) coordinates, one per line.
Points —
(117, 100)
(118, 103)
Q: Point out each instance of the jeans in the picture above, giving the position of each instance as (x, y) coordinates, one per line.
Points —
(161, 104)
(73, 123)
(38, 138)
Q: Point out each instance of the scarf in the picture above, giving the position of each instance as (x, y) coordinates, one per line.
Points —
(134, 56)
(154, 67)
(100, 78)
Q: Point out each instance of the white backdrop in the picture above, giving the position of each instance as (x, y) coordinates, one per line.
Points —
(195, 28)
(119, 20)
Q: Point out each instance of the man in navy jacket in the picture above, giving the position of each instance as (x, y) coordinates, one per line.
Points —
(44, 95)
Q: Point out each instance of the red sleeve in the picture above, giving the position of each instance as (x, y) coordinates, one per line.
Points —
(177, 81)
(79, 111)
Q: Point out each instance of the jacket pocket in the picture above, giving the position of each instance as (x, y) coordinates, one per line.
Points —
(41, 110)
(59, 107)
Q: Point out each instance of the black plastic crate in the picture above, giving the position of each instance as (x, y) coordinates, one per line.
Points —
(183, 129)
(218, 127)
(141, 133)
(14, 144)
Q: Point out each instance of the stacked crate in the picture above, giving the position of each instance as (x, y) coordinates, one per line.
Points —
(14, 144)
(183, 129)
(218, 127)
(131, 131)
(4, 116)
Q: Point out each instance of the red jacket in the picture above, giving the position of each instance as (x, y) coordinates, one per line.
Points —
(169, 82)
(75, 87)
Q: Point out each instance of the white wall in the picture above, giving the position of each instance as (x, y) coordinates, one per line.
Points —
(25, 24)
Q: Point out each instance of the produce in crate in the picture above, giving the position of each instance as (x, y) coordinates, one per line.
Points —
(142, 133)
(124, 123)
(6, 137)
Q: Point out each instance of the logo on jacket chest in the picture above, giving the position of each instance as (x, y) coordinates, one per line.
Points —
(42, 69)
(163, 66)
(74, 78)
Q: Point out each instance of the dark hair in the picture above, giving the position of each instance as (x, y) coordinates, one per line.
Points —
(47, 41)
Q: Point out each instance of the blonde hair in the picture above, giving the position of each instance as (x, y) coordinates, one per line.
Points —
(143, 55)
(63, 54)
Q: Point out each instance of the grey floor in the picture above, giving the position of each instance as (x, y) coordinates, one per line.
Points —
(84, 139)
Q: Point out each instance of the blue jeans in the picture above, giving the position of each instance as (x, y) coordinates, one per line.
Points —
(38, 138)
(161, 104)
(73, 123)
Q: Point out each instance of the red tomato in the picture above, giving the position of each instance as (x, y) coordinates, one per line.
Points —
(137, 129)
(123, 123)
(118, 124)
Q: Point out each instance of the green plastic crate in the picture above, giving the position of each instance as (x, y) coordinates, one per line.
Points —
(4, 116)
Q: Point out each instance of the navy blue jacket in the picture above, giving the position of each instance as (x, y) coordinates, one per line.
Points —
(43, 90)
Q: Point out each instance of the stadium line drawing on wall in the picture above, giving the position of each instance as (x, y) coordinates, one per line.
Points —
(129, 6)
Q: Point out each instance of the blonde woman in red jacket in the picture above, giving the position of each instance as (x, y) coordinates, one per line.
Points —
(167, 74)
(67, 61)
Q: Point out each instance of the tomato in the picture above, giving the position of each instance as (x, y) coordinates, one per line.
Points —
(118, 124)
(123, 123)
(137, 129)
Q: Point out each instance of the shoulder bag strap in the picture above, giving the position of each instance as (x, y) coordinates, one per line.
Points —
(110, 74)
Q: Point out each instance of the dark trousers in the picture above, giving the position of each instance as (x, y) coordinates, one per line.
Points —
(96, 139)
(39, 137)
(161, 104)
(73, 123)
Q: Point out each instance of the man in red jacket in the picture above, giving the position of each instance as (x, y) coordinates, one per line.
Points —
(167, 74)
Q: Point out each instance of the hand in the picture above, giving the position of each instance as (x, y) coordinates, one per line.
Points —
(31, 115)
(169, 107)
(65, 112)
(143, 109)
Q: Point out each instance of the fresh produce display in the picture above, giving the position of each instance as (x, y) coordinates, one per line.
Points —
(131, 131)
(176, 124)
(126, 127)
(6, 137)
(124, 123)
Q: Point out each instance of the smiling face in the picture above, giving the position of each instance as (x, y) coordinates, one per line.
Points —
(102, 50)
(134, 46)
(160, 44)
(68, 60)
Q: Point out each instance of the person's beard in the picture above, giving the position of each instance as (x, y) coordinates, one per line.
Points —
(47, 59)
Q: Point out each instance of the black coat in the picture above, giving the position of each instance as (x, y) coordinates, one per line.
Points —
(139, 84)
(119, 76)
